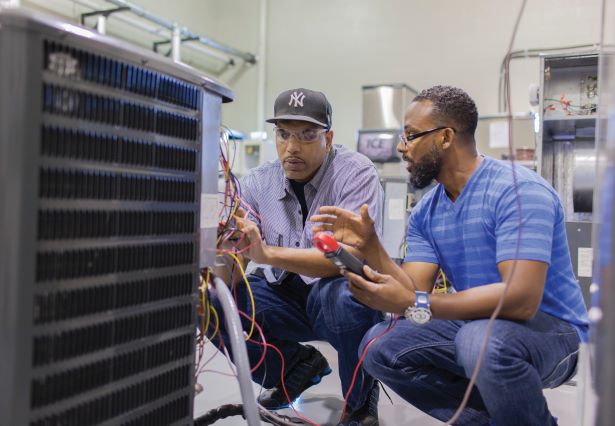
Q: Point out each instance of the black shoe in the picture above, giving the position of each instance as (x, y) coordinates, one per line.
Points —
(367, 415)
(309, 369)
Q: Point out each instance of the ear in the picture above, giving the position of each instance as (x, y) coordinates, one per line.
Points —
(448, 135)
(329, 138)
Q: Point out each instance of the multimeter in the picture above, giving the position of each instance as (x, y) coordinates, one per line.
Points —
(341, 257)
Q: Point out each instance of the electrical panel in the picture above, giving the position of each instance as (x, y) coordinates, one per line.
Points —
(568, 129)
(102, 152)
(567, 149)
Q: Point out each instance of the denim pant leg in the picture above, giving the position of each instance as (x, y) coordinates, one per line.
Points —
(418, 362)
(281, 315)
(521, 359)
(342, 321)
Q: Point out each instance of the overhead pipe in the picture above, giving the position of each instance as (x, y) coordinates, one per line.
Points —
(157, 31)
(184, 32)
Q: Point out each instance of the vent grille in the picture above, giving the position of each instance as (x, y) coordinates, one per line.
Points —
(77, 224)
(69, 264)
(67, 304)
(81, 65)
(91, 146)
(164, 415)
(117, 112)
(71, 343)
(100, 185)
(119, 402)
(72, 382)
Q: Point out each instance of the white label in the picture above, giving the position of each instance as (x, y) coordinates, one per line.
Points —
(584, 264)
(397, 209)
(209, 211)
(498, 134)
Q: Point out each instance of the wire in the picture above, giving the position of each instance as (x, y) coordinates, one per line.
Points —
(260, 331)
(231, 410)
(356, 370)
(249, 288)
(503, 99)
(205, 305)
(498, 308)
(269, 345)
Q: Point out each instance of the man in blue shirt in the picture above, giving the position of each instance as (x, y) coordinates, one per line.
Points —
(485, 225)
(299, 295)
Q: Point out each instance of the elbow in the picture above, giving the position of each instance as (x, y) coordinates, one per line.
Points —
(524, 312)
(526, 315)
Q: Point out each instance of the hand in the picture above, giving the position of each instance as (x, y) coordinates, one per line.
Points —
(382, 292)
(348, 228)
(255, 248)
(230, 237)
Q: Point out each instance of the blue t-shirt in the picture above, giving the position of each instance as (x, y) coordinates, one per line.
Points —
(469, 237)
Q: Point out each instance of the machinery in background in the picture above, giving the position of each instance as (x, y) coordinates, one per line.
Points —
(400, 197)
(492, 137)
(252, 153)
(566, 153)
(383, 121)
(107, 153)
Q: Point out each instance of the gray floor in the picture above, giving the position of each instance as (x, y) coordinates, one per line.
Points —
(323, 403)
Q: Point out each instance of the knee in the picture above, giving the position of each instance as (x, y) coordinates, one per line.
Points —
(470, 341)
(331, 304)
(376, 359)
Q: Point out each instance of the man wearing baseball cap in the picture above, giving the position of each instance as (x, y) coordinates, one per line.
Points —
(299, 295)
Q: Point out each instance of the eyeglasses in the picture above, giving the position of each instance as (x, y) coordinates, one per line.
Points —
(306, 135)
(409, 138)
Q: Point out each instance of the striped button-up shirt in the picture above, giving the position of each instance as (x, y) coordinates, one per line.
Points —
(346, 179)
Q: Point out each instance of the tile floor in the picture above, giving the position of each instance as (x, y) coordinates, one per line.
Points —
(323, 403)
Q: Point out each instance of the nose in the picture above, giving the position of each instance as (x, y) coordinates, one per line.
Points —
(401, 147)
(293, 145)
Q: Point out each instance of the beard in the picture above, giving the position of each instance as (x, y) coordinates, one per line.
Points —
(424, 172)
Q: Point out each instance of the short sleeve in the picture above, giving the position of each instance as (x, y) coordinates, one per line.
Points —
(525, 219)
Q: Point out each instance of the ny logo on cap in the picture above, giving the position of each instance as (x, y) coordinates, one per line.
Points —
(297, 98)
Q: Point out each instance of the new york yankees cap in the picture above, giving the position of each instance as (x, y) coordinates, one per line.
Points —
(302, 105)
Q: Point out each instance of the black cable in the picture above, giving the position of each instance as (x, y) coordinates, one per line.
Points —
(231, 410)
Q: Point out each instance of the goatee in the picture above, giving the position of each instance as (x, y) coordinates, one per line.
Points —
(425, 171)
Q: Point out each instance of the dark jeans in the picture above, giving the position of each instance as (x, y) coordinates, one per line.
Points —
(294, 312)
(429, 367)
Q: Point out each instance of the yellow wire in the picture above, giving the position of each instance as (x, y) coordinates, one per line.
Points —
(205, 306)
(245, 279)
(213, 311)
(236, 202)
(235, 207)
(440, 289)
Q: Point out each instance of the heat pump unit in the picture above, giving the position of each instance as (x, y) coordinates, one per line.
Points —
(106, 152)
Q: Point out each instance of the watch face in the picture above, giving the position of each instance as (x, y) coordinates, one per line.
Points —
(420, 315)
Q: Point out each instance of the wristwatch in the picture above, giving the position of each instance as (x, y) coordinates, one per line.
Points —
(420, 312)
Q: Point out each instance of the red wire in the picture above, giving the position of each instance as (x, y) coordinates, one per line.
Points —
(356, 370)
(260, 331)
(269, 345)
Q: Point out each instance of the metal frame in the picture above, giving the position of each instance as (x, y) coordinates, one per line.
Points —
(179, 34)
